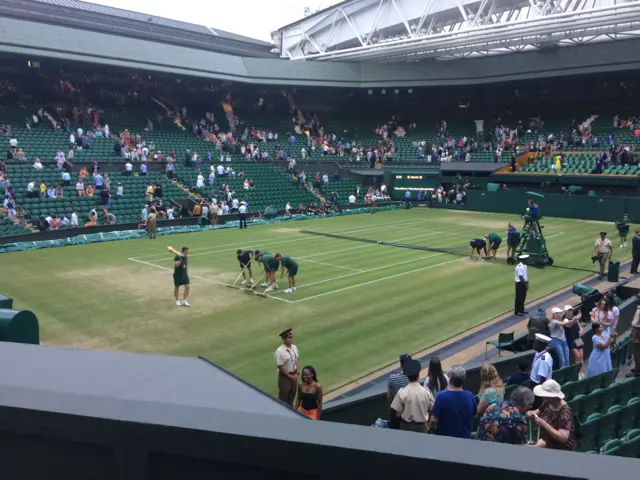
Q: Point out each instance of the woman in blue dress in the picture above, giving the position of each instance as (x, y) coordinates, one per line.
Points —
(600, 359)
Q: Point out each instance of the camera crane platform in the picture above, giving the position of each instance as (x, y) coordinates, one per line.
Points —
(531, 241)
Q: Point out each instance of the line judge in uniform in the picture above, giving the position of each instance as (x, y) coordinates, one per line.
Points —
(288, 363)
(522, 285)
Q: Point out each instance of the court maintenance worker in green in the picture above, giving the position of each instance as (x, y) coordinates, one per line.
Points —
(290, 265)
(494, 241)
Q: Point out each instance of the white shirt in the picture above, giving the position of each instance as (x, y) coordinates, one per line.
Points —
(242, 209)
(106, 130)
(30, 186)
(220, 170)
(235, 203)
(128, 167)
(352, 198)
(120, 190)
(79, 186)
(542, 366)
(74, 219)
(170, 213)
(521, 271)
(13, 142)
(288, 206)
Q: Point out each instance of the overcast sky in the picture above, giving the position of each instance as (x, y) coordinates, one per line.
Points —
(253, 18)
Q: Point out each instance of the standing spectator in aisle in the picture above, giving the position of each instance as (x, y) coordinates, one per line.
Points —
(310, 394)
(600, 358)
(119, 191)
(558, 338)
(522, 285)
(454, 408)
(107, 182)
(143, 169)
(99, 181)
(635, 342)
(413, 403)
(287, 360)
(603, 251)
(66, 179)
(170, 170)
(554, 418)
(74, 218)
(491, 388)
(397, 380)
(572, 333)
(504, 422)
(635, 252)
(436, 381)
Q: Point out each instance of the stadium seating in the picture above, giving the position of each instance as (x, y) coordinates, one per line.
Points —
(126, 210)
(272, 186)
(344, 187)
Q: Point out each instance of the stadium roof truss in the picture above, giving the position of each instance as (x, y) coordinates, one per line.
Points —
(413, 30)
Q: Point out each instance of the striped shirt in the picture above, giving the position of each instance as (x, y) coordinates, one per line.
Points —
(396, 382)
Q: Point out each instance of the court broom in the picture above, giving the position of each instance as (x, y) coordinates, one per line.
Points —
(234, 285)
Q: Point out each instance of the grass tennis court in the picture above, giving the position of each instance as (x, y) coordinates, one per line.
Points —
(357, 306)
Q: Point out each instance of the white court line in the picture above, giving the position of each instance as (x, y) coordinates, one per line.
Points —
(377, 280)
(554, 235)
(204, 279)
(331, 265)
(275, 241)
(367, 271)
(386, 278)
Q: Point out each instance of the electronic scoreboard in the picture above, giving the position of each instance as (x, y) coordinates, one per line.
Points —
(420, 184)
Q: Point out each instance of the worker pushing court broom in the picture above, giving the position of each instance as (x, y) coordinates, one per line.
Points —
(180, 275)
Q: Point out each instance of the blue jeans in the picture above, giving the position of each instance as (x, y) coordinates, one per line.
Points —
(561, 348)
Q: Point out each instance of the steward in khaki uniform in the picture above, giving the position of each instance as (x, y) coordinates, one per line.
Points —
(602, 251)
(288, 363)
(413, 403)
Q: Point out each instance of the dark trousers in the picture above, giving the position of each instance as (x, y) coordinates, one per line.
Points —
(634, 264)
(635, 344)
(394, 419)
(521, 296)
(286, 389)
(243, 220)
(407, 204)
